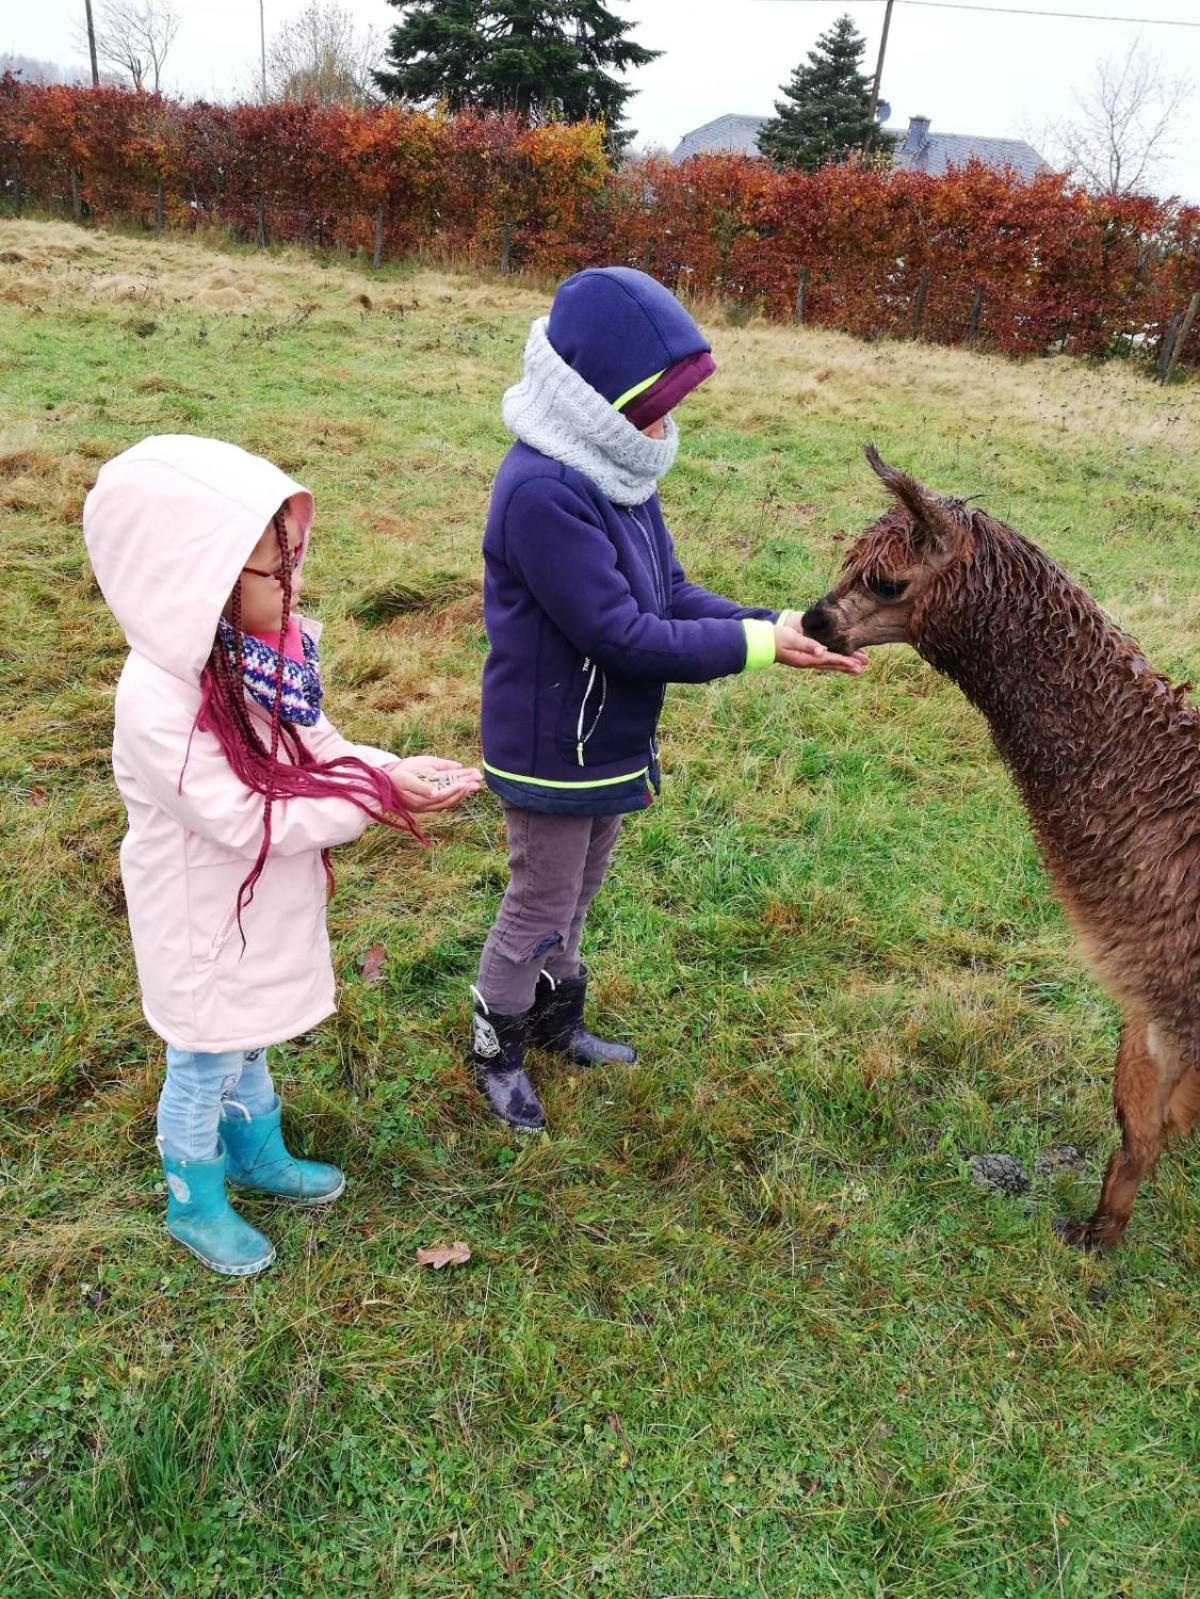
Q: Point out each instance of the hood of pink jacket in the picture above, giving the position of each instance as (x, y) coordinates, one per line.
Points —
(169, 525)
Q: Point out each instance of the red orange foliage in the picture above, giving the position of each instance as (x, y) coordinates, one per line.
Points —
(1058, 268)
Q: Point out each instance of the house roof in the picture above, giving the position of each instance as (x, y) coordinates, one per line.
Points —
(923, 151)
(918, 148)
(730, 134)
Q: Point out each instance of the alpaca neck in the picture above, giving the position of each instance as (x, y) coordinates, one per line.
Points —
(1036, 656)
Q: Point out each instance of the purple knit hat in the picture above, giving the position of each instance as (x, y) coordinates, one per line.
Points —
(665, 393)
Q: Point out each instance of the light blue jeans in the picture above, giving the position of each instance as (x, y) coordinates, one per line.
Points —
(196, 1087)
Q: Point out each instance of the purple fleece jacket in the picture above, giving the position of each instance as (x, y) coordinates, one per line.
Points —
(588, 612)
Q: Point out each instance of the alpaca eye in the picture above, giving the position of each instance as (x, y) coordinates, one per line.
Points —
(885, 588)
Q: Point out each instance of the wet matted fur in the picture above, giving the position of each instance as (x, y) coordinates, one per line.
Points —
(1106, 755)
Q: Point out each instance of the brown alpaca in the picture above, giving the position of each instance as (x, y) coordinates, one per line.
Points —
(1106, 754)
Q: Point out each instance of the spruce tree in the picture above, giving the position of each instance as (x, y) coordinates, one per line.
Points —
(544, 59)
(826, 113)
(436, 53)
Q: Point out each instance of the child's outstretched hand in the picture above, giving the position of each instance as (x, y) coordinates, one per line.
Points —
(425, 783)
(793, 647)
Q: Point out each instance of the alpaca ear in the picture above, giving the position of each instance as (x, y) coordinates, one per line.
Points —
(935, 527)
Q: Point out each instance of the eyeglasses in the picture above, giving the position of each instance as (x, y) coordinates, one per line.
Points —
(290, 565)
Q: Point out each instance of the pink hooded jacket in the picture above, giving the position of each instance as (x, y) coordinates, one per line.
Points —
(169, 525)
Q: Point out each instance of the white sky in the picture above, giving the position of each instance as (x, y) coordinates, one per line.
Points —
(1002, 75)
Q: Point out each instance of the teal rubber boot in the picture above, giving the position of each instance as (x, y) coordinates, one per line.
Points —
(200, 1217)
(259, 1159)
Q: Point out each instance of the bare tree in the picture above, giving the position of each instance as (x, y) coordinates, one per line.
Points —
(1126, 126)
(133, 38)
(320, 55)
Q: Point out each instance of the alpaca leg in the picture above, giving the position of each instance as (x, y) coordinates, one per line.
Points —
(1183, 1108)
(1148, 1069)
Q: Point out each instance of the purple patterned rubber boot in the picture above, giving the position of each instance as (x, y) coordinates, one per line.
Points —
(556, 1024)
(497, 1061)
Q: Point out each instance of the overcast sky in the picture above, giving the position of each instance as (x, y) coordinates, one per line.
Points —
(1002, 75)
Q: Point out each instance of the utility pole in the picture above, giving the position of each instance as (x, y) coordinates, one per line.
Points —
(91, 32)
(887, 19)
(262, 40)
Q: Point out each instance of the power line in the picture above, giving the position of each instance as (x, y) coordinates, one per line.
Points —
(1026, 11)
(1074, 16)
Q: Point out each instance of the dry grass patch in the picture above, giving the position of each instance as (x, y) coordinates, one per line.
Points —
(1059, 401)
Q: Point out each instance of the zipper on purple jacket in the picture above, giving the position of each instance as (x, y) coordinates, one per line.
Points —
(660, 593)
(581, 737)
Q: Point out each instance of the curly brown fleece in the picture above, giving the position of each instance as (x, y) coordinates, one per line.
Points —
(1106, 755)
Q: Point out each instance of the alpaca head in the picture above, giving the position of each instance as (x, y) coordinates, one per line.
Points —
(891, 567)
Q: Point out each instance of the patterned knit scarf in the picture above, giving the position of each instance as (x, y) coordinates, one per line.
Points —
(301, 702)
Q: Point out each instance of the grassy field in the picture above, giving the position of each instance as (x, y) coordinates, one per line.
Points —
(742, 1325)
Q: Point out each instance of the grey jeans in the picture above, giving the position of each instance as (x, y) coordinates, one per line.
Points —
(556, 864)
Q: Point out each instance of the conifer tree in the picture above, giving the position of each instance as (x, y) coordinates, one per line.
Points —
(544, 59)
(826, 111)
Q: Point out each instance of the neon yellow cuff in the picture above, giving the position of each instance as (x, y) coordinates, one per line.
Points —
(760, 643)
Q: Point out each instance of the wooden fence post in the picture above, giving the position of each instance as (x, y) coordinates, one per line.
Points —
(262, 223)
(973, 324)
(377, 252)
(506, 249)
(1166, 347)
(919, 305)
(76, 201)
(1181, 337)
(801, 295)
(158, 206)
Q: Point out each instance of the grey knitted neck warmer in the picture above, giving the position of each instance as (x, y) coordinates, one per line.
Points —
(554, 410)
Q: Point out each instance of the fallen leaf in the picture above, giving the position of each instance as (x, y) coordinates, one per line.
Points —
(35, 796)
(372, 966)
(441, 1255)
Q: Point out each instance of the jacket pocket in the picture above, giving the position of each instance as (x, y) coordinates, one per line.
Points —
(221, 936)
(606, 718)
(594, 699)
(582, 707)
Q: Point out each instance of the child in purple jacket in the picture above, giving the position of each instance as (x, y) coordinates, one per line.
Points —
(589, 616)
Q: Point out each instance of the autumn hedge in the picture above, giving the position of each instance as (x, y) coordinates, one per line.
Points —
(1025, 268)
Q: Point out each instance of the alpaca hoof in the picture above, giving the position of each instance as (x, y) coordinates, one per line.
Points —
(1098, 1232)
(1078, 1234)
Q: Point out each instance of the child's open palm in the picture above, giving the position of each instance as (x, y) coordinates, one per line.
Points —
(425, 783)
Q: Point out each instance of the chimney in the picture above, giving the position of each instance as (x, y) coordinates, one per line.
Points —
(917, 136)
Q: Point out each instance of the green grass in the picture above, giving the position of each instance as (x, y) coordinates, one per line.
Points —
(742, 1325)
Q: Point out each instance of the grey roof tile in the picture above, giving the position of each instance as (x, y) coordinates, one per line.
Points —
(942, 150)
(730, 134)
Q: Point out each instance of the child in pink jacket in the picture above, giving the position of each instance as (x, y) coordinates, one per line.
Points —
(237, 786)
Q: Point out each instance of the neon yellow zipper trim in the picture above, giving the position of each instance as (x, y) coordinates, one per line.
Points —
(545, 782)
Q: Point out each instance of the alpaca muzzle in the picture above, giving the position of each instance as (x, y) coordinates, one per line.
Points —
(820, 623)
